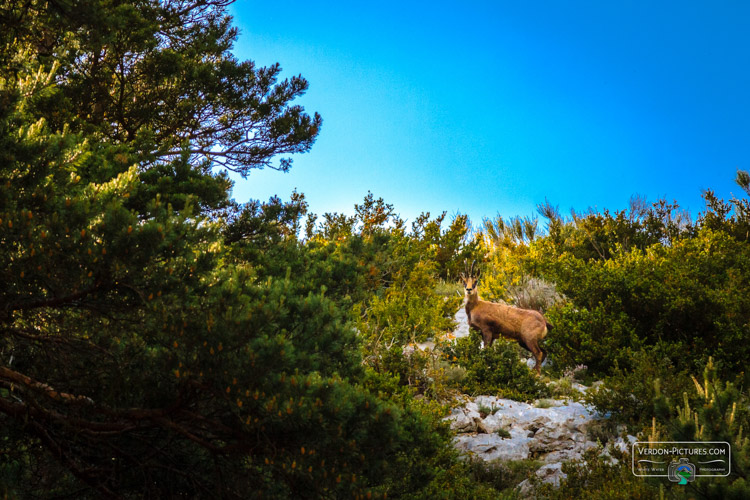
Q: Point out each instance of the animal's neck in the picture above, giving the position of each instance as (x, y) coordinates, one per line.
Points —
(472, 300)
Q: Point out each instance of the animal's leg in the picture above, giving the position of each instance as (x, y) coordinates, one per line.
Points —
(487, 337)
(523, 344)
(538, 356)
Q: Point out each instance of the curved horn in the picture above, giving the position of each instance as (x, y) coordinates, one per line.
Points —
(471, 273)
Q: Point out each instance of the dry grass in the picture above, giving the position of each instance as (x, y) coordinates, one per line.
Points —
(535, 293)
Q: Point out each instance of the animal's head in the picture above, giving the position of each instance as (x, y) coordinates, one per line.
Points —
(470, 280)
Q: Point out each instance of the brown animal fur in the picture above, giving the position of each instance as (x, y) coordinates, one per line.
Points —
(525, 326)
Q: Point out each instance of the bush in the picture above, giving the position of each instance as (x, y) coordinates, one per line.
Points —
(503, 433)
(596, 338)
(503, 476)
(544, 403)
(693, 294)
(485, 410)
(628, 395)
(496, 370)
(563, 388)
(665, 405)
(595, 477)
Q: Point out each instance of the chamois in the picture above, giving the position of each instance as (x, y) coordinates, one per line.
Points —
(526, 326)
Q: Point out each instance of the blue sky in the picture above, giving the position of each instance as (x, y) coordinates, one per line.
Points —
(490, 107)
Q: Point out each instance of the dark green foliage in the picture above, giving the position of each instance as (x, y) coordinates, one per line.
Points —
(262, 226)
(711, 410)
(497, 370)
(503, 433)
(596, 478)
(154, 369)
(731, 217)
(503, 476)
(151, 348)
(452, 247)
(666, 405)
(692, 295)
(629, 395)
(593, 338)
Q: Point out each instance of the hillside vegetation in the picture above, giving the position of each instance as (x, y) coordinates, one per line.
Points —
(161, 340)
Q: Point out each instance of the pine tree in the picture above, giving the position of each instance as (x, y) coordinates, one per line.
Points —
(139, 357)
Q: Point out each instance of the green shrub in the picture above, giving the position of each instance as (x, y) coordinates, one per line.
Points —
(455, 375)
(667, 406)
(595, 338)
(563, 388)
(497, 370)
(693, 293)
(595, 477)
(628, 395)
(503, 476)
(503, 433)
(485, 410)
(544, 403)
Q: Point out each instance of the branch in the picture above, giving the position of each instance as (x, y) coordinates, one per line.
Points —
(21, 379)
(52, 301)
(64, 458)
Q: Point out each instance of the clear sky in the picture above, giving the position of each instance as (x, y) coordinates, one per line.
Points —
(489, 107)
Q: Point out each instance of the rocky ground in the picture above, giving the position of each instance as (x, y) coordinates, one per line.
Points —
(493, 428)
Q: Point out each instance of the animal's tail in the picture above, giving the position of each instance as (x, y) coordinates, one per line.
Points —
(547, 328)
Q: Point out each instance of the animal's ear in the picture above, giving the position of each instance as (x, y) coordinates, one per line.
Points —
(463, 278)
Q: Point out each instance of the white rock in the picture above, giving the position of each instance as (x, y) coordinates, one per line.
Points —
(552, 438)
(551, 434)
(549, 473)
(580, 387)
(492, 447)
(461, 421)
(625, 445)
(473, 414)
(537, 423)
(462, 323)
